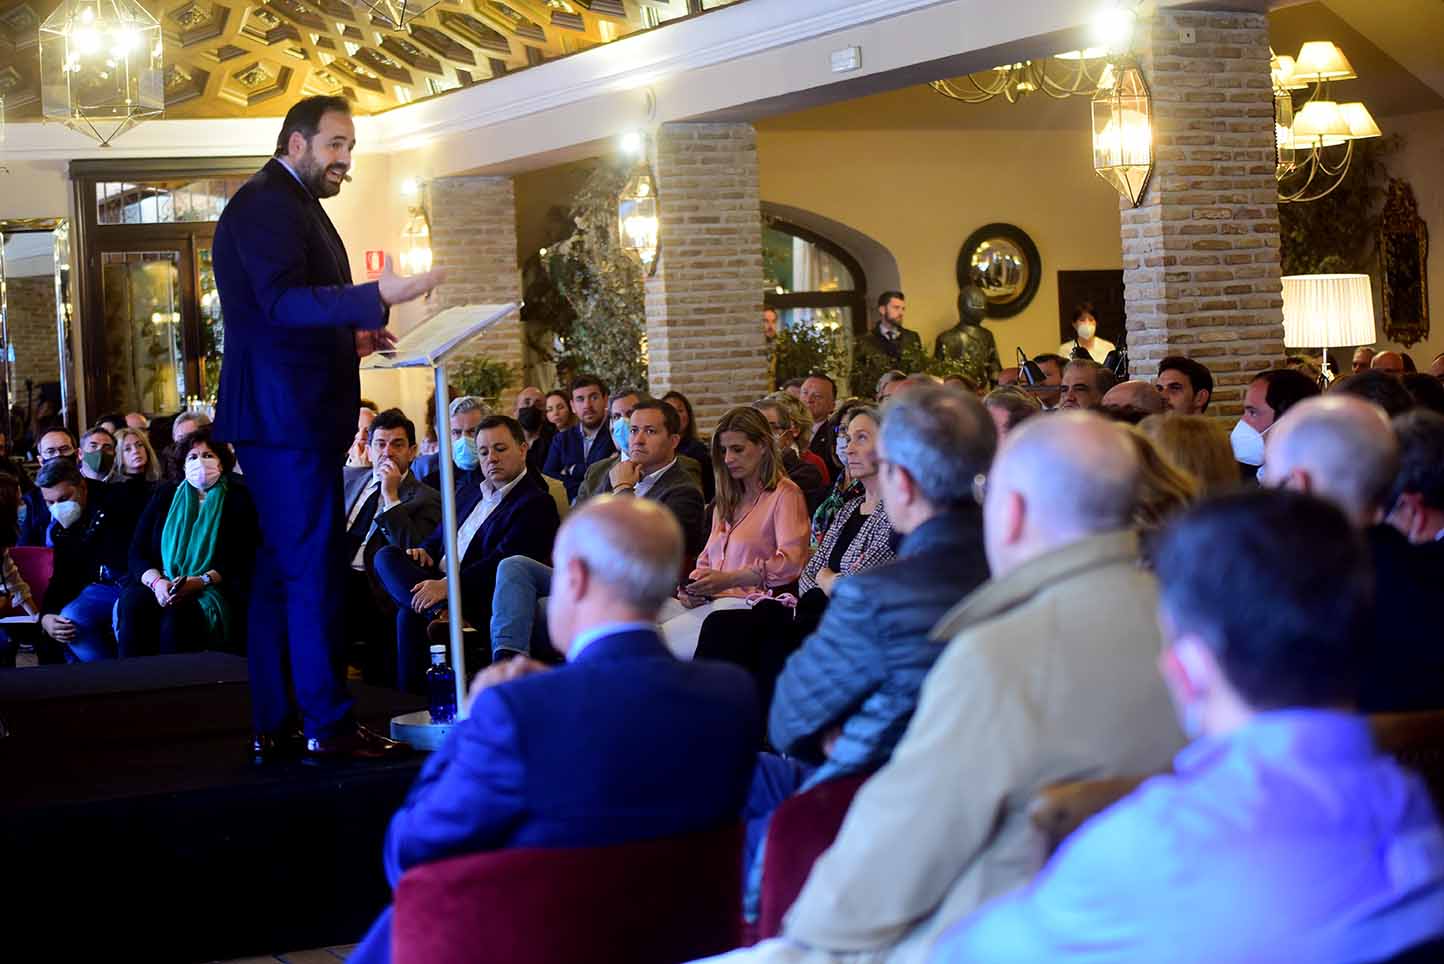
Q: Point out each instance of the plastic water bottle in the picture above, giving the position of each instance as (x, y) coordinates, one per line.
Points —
(441, 687)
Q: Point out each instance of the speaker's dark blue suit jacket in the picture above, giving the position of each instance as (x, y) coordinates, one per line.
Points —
(289, 377)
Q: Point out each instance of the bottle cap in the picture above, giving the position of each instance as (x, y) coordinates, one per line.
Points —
(438, 648)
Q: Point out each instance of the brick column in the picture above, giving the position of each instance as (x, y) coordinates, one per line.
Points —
(704, 304)
(473, 236)
(1201, 253)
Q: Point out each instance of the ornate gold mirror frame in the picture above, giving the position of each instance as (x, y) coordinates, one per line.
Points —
(1404, 266)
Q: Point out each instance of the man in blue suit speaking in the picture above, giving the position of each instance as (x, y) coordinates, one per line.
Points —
(624, 743)
(295, 327)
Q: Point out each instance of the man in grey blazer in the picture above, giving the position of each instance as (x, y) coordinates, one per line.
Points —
(385, 505)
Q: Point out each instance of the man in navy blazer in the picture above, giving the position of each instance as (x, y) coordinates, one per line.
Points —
(585, 443)
(289, 391)
(624, 743)
(508, 514)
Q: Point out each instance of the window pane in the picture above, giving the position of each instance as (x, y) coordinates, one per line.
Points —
(791, 265)
(164, 201)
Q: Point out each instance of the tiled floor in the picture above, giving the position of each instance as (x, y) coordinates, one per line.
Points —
(326, 955)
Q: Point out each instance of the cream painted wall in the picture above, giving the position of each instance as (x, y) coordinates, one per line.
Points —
(921, 193)
(1421, 163)
(34, 189)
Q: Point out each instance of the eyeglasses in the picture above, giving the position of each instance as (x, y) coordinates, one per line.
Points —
(980, 487)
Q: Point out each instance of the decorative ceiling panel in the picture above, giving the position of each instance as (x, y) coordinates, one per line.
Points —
(234, 58)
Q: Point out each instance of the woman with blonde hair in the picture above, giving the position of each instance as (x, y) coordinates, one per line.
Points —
(760, 533)
(140, 469)
(1163, 489)
(1198, 446)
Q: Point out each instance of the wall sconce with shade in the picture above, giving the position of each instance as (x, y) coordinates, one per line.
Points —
(415, 254)
(638, 215)
(101, 70)
(1328, 310)
(1123, 131)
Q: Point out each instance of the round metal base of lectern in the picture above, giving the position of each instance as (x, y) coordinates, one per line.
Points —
(418, 730)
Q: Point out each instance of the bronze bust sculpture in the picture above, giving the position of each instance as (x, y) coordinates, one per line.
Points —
(968, 343)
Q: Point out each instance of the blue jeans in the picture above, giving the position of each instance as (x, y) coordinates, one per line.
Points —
(93, 613)
(774, 780)
(521, 584)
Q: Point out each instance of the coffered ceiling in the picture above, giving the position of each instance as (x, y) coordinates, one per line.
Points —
(233, 58)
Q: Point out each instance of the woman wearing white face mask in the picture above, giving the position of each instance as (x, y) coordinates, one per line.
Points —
(191, 558)
(1085, 336)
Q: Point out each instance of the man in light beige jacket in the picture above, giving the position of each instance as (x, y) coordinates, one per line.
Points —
(1049, 676)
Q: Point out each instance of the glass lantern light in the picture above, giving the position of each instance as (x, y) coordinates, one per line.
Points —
(415, 255)
(396, 14)
(1123, 132)
(101, 67)
(637, 216)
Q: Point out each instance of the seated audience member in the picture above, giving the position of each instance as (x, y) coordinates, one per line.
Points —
(90, 530)
(566, 757)
(1281, 826)
(559, 410)
(759, 540)
(1409, 367)
(587, 442)
(191, 559)
(1388, 362)
(503, 516)
(845, 698)
(137, 420)
(1198, 446)
(858, 539)
(385, 506)
(1084, 384)
(112, 422)
(1436, 367)
(1363, 357)
(655, 471)
(54, 443)
(1009, 376)
(1009, 406)
(1185, 385)
(16, 597)
(1037, 683)
(1164, 489)
(619, 414)
(464, 414)
(528, 397)
(138, 465)
(180, 426)
(1416, 498)
(1131, 402)
(1050, 390)
(819, 394)
(804, 471)
(1383, 389)
(1425, 390)
(360, 449)
(843, 489)
(1267, 398)
(889, 383)
(793, 387)
(1343, 449)
(97, 455)
(692, 446)
(539, 435)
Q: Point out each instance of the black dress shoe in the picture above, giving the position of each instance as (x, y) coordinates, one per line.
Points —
(272, 746)
(357, 743)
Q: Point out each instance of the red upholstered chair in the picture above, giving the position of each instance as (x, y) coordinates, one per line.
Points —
(801, 829)
(37, 567)
(655, 902)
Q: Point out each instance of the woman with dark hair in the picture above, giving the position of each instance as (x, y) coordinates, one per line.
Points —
(191, 558)
(759, 539)
(1086, 343)
(693, 447)
(558, 408)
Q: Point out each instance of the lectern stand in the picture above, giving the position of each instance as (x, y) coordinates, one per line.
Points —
(429, 345)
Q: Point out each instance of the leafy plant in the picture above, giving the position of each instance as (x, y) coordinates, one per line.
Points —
(603, 285)
(803, 349)
(1336, 233)
(480, 376)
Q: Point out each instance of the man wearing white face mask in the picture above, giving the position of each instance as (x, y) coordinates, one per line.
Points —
(191, 558)
(90, 530)
(1269, 396)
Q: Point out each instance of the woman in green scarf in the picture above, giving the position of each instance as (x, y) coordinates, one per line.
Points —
(190, 561)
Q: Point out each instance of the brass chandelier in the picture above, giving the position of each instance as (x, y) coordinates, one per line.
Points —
(1315, 142)
(1076, 73)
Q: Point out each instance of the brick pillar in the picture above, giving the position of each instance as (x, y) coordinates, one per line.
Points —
(704, 304)
(473, 236)
(1201, 253)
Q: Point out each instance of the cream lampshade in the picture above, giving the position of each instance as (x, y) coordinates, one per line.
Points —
(1328, 310)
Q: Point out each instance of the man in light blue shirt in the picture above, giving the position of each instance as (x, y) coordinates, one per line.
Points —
(1283, 834)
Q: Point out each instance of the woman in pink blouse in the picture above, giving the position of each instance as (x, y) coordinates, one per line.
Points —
(760, 530)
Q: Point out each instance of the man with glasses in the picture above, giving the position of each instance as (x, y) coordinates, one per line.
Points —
(55, 443)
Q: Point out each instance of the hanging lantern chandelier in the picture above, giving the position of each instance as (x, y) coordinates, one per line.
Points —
(1315, 142)
(1123, 131)
(100, 67)
(638, 217)
(1072, 74)
(396, 14)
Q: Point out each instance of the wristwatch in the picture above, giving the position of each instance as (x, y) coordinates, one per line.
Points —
(205, 579)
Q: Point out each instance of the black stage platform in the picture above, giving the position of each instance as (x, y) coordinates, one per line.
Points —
(134, 826)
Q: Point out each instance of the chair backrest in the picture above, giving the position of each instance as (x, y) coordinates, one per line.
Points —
(653, 902)
(1416, 740)
(802, 828)
(37, 567)
(1062, 808)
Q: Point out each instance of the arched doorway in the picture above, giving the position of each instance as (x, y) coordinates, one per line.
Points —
(819, 293)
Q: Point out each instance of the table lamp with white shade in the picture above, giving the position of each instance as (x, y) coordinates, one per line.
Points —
(1328, 310)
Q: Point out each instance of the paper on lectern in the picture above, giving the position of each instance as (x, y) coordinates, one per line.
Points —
(430, 342)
